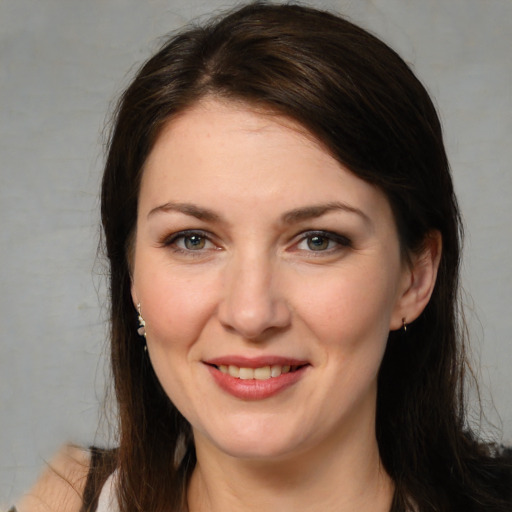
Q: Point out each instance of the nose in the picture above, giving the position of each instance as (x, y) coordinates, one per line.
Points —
(254, 301)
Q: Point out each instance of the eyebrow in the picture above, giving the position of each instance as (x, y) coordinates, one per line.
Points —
(190, 209)
(291, 217)
(315, 211)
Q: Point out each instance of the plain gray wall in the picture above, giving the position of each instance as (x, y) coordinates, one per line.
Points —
(62, 62)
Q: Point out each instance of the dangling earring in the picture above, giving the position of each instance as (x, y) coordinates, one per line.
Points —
(142, 326)
(141, 331)
(404, 325)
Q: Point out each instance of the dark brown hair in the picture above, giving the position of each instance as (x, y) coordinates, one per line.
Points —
(360, 99)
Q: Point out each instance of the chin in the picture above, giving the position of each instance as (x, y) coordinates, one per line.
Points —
(257, 450)
(269, 442)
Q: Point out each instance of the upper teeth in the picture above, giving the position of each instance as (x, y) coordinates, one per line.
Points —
(263, 373)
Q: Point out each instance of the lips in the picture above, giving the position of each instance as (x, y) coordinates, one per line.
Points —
(255, 378)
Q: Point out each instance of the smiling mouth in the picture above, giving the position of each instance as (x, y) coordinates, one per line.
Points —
(258, 378)
(261, 373)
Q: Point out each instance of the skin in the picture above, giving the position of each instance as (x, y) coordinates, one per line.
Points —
(264, 274)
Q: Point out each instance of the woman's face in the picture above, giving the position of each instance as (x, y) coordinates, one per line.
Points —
(269, 277)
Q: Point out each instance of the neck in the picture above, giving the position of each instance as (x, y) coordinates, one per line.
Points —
(345, 477)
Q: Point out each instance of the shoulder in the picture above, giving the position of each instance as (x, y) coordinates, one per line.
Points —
(61, 487)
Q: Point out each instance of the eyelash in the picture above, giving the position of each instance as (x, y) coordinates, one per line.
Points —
(341, 241)
(172, 240)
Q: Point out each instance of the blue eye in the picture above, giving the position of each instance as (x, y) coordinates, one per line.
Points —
(189, 241)
(318, 243)
(322, 241)
(194, 242)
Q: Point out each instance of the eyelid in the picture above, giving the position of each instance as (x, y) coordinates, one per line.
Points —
(171, 239)
(341, 240)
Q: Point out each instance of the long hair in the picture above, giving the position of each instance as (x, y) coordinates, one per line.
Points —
(360, 99)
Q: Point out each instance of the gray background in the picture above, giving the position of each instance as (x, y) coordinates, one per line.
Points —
(62, 62)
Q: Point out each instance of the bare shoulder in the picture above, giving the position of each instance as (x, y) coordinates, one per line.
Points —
(61, 486)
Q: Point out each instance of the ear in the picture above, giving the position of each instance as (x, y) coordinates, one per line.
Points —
(419, 279)
(135, 299)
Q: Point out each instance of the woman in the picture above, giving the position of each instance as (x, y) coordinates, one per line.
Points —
(283, 241)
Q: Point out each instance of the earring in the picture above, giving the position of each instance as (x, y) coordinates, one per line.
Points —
(142, 324)
(404, 325)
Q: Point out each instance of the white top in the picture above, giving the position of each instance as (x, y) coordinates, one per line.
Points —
(107, 501)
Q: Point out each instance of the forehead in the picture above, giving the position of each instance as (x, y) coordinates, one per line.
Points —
(231, 153)
(222, 119)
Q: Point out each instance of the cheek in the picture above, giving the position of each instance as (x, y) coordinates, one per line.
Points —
(350, 309)
(176, 311)
(175, 306)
